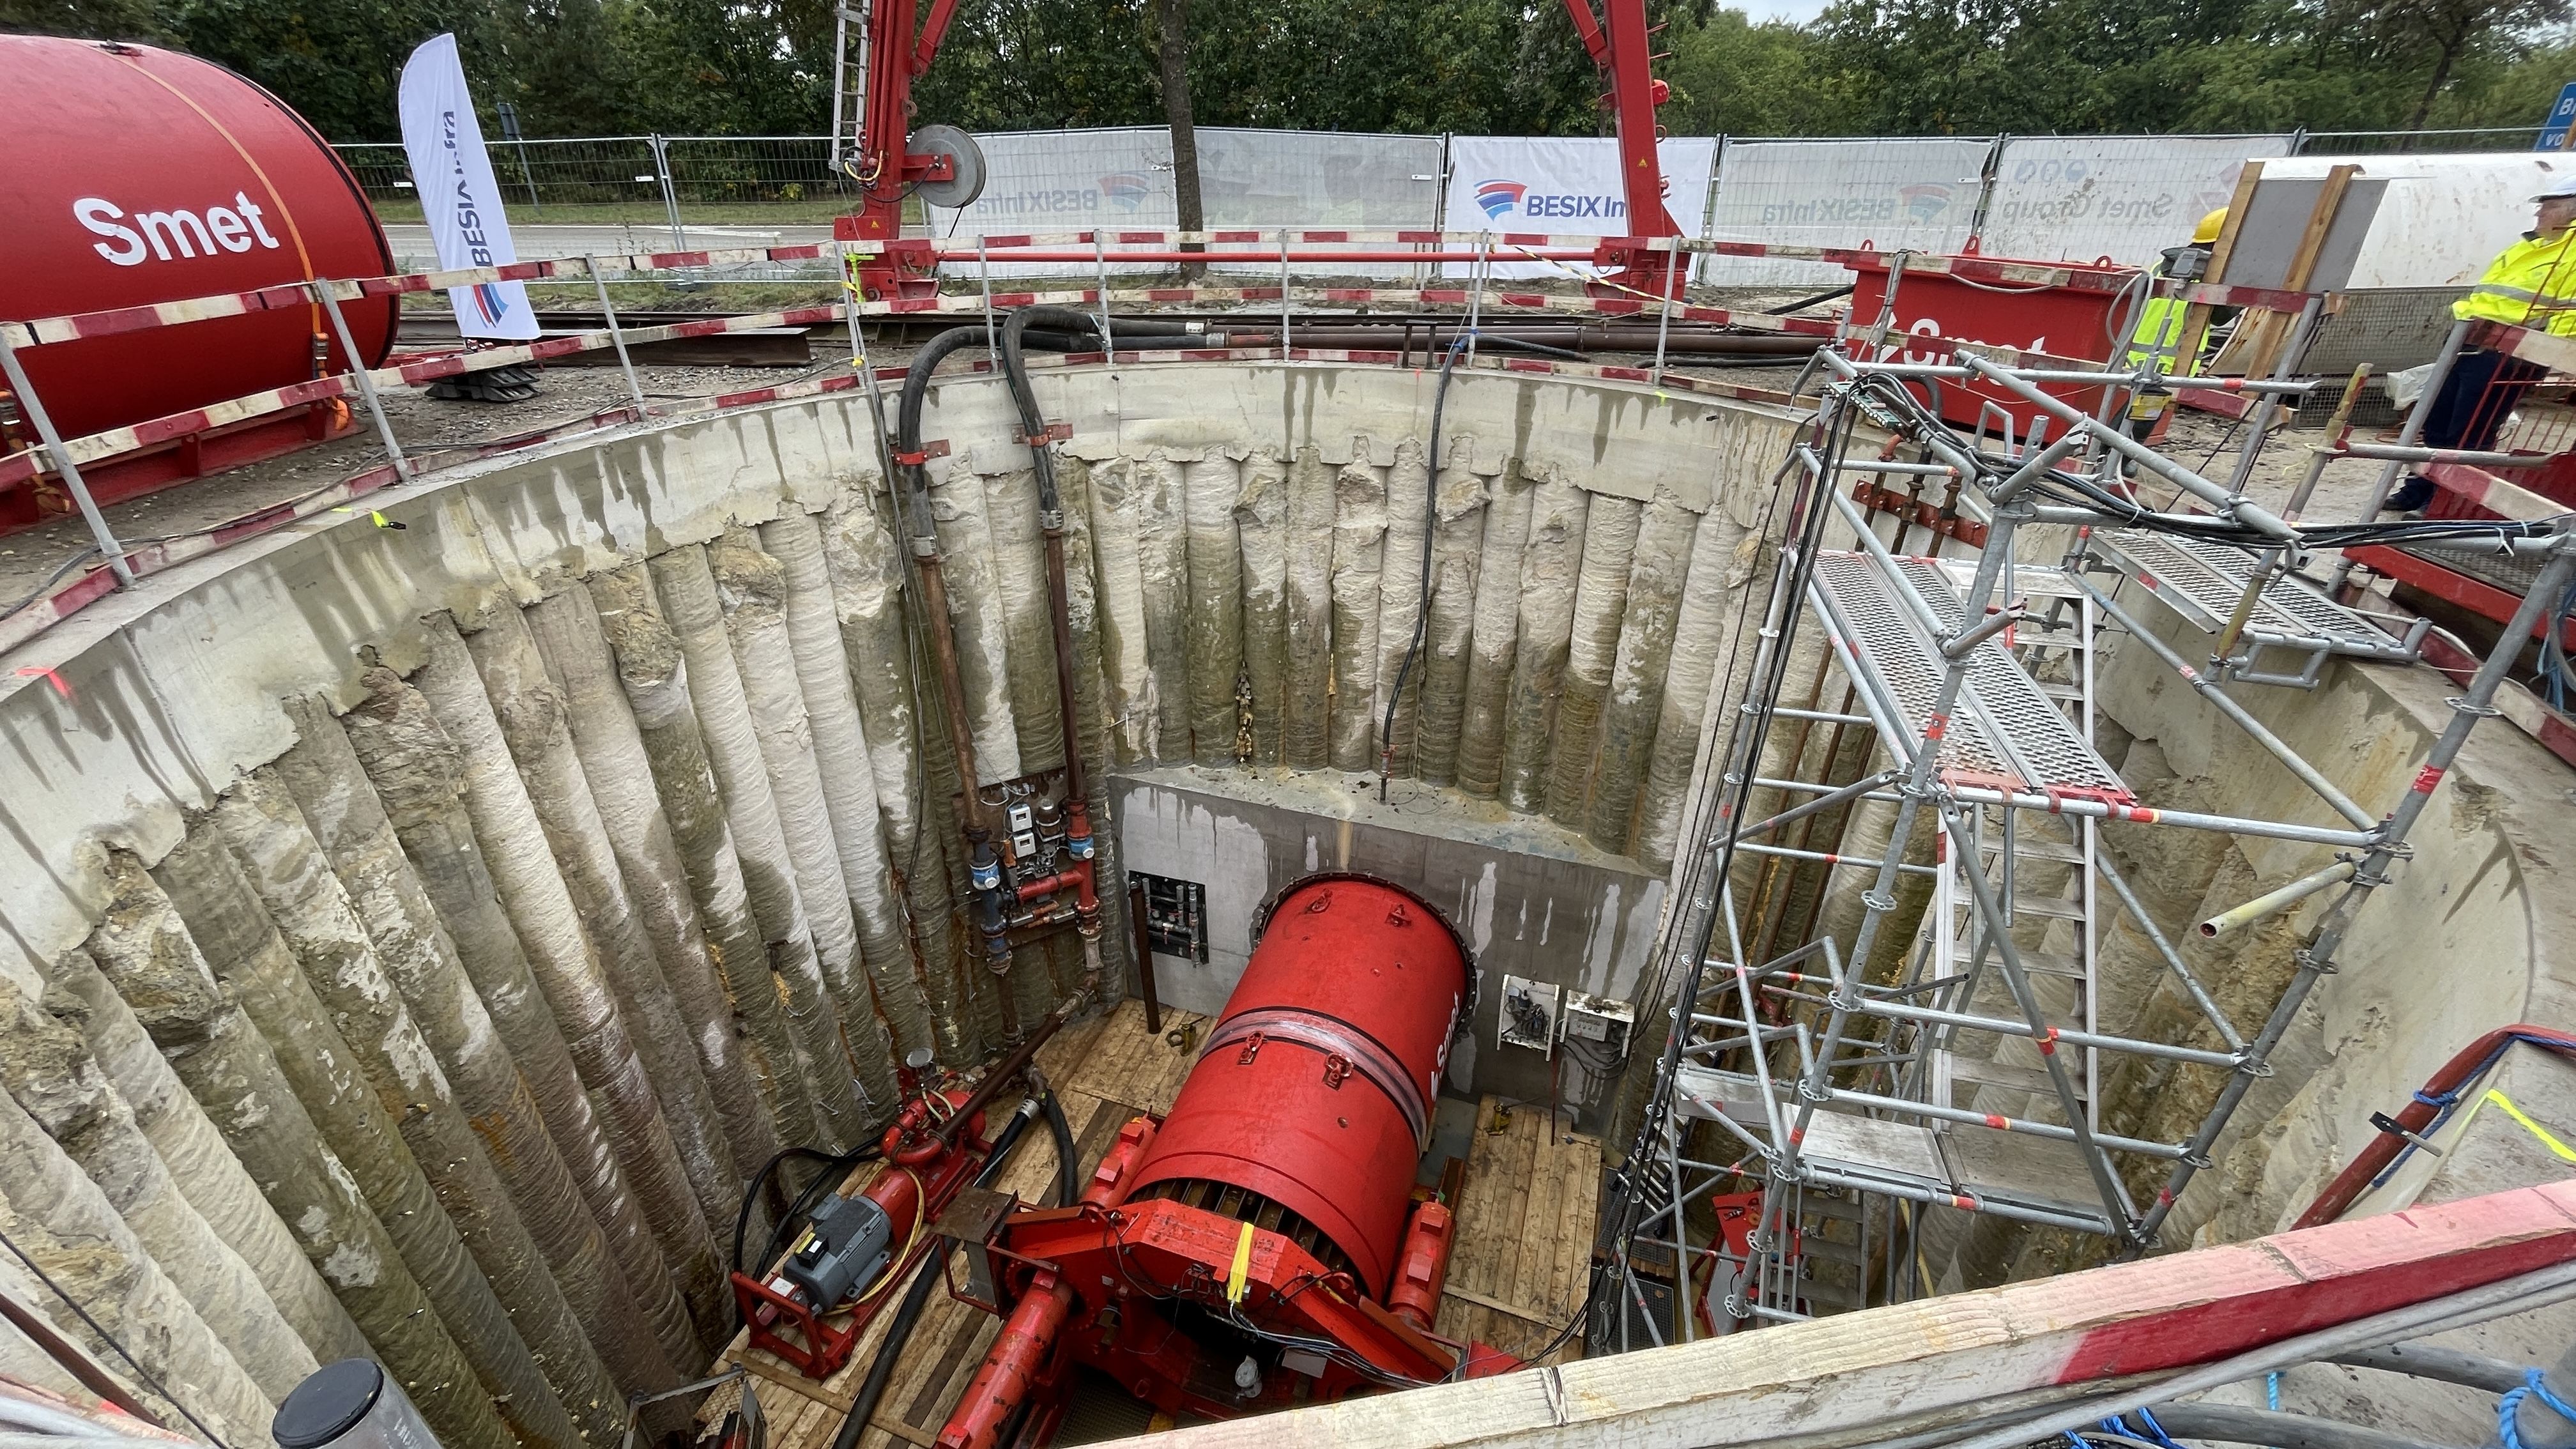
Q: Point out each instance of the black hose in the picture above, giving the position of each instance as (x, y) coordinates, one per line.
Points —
(1802, 303)
(759, 1180)
(1422, 610)
(907, 428)
(1066, 1169)
(2448, 1365)
(2229, 1424)
(1033, 425)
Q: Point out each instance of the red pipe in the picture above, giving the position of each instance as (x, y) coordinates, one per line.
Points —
(2418, 1114)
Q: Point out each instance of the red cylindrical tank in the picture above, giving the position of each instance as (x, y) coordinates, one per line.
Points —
(1315, 1091)
(136, 175)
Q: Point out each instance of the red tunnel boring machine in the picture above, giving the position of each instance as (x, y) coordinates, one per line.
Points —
(1259, 1247)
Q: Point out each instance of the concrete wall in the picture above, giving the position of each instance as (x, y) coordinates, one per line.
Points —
(1531, 899)
(578, 813)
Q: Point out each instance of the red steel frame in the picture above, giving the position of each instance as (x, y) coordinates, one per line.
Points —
(900, 50)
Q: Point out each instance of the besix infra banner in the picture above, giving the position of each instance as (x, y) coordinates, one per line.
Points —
(1563, 186)
(458, 196)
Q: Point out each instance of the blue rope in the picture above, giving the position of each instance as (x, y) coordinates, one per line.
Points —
(2509, 1408)
(2155, 1432)
(2445, 1103)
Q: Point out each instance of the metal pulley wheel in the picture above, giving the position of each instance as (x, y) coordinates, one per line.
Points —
(966, 162)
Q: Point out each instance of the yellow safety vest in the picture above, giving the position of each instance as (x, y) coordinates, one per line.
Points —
(2160, 330)
(2531, 284)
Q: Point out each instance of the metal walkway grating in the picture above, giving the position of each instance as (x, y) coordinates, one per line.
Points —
(1961, 1166)
(2202, 581)
(2006, 732)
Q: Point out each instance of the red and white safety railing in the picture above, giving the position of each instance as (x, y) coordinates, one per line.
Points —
(1311, 247)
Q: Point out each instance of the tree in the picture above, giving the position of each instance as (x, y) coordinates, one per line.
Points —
(1172, 56)
(2452, 28)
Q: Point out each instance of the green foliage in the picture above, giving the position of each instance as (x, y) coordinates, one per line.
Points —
(1866, 67)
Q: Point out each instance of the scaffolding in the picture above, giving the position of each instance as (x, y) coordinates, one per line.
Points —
(1820, 1103)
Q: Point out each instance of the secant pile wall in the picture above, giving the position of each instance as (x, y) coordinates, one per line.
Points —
(416, 933)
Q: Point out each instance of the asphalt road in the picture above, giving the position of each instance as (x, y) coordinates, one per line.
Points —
(413, 254)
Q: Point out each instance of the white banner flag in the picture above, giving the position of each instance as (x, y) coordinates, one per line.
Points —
(458, 196)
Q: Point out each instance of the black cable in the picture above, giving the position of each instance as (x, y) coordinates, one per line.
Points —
(759, 1180)
(113, 1342)
(1422, 608)
(1067, 1170)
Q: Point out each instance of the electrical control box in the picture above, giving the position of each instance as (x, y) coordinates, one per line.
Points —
(1175, 916)
(1024, 832)
(1599, 1025)
(1529, 1014)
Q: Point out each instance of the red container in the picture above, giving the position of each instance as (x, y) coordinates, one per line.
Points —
(1978, 300)
(135, 175)
(1317, 1084)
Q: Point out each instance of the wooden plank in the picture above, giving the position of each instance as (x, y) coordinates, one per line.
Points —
(1479, 1228)
(1521, 1312)
(2195, 318)
(1515, 1156)
(1132, 1065)
(2263, 333)
(1929, 1364)
(1542, 1185)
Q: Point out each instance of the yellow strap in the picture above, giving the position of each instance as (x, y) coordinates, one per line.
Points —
(1243, 1263)
(2565, 1152)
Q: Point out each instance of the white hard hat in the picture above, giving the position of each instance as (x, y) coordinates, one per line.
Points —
(2560, 188)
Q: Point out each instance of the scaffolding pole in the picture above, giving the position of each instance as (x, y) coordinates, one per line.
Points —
(1864, 1091)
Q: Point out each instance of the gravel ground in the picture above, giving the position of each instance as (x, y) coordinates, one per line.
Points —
(566, 394)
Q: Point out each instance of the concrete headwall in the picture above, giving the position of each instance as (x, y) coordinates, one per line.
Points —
(1531, 900)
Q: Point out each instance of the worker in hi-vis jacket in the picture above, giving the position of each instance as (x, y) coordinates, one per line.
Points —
(2530, 284)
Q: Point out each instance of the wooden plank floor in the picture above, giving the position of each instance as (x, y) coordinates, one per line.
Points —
(1525, 1225)
(1524, 1240)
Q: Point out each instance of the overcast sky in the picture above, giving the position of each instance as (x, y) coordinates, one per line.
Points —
(1800, 11)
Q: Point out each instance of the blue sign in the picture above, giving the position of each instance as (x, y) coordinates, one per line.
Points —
(2562, 114)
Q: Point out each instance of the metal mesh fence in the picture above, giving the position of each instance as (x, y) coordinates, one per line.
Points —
(2124, 197)
(1919, 194)
(2373, 143)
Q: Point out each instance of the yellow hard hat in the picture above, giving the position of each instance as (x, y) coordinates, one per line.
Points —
(2207, 231)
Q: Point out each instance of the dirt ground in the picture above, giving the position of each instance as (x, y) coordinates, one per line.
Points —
(565, 394)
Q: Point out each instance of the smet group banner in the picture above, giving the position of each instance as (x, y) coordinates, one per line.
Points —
(2123, 197)
(1919, 195)
(1564, 185)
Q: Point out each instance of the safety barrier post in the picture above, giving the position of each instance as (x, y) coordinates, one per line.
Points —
(1986, 179)
(365, 382)
(1284, 342)
(63, 463)
(983, 283)
(670, 198)
(1100, 260)
(1664, 318)
(617, 335)
(1476, 298)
